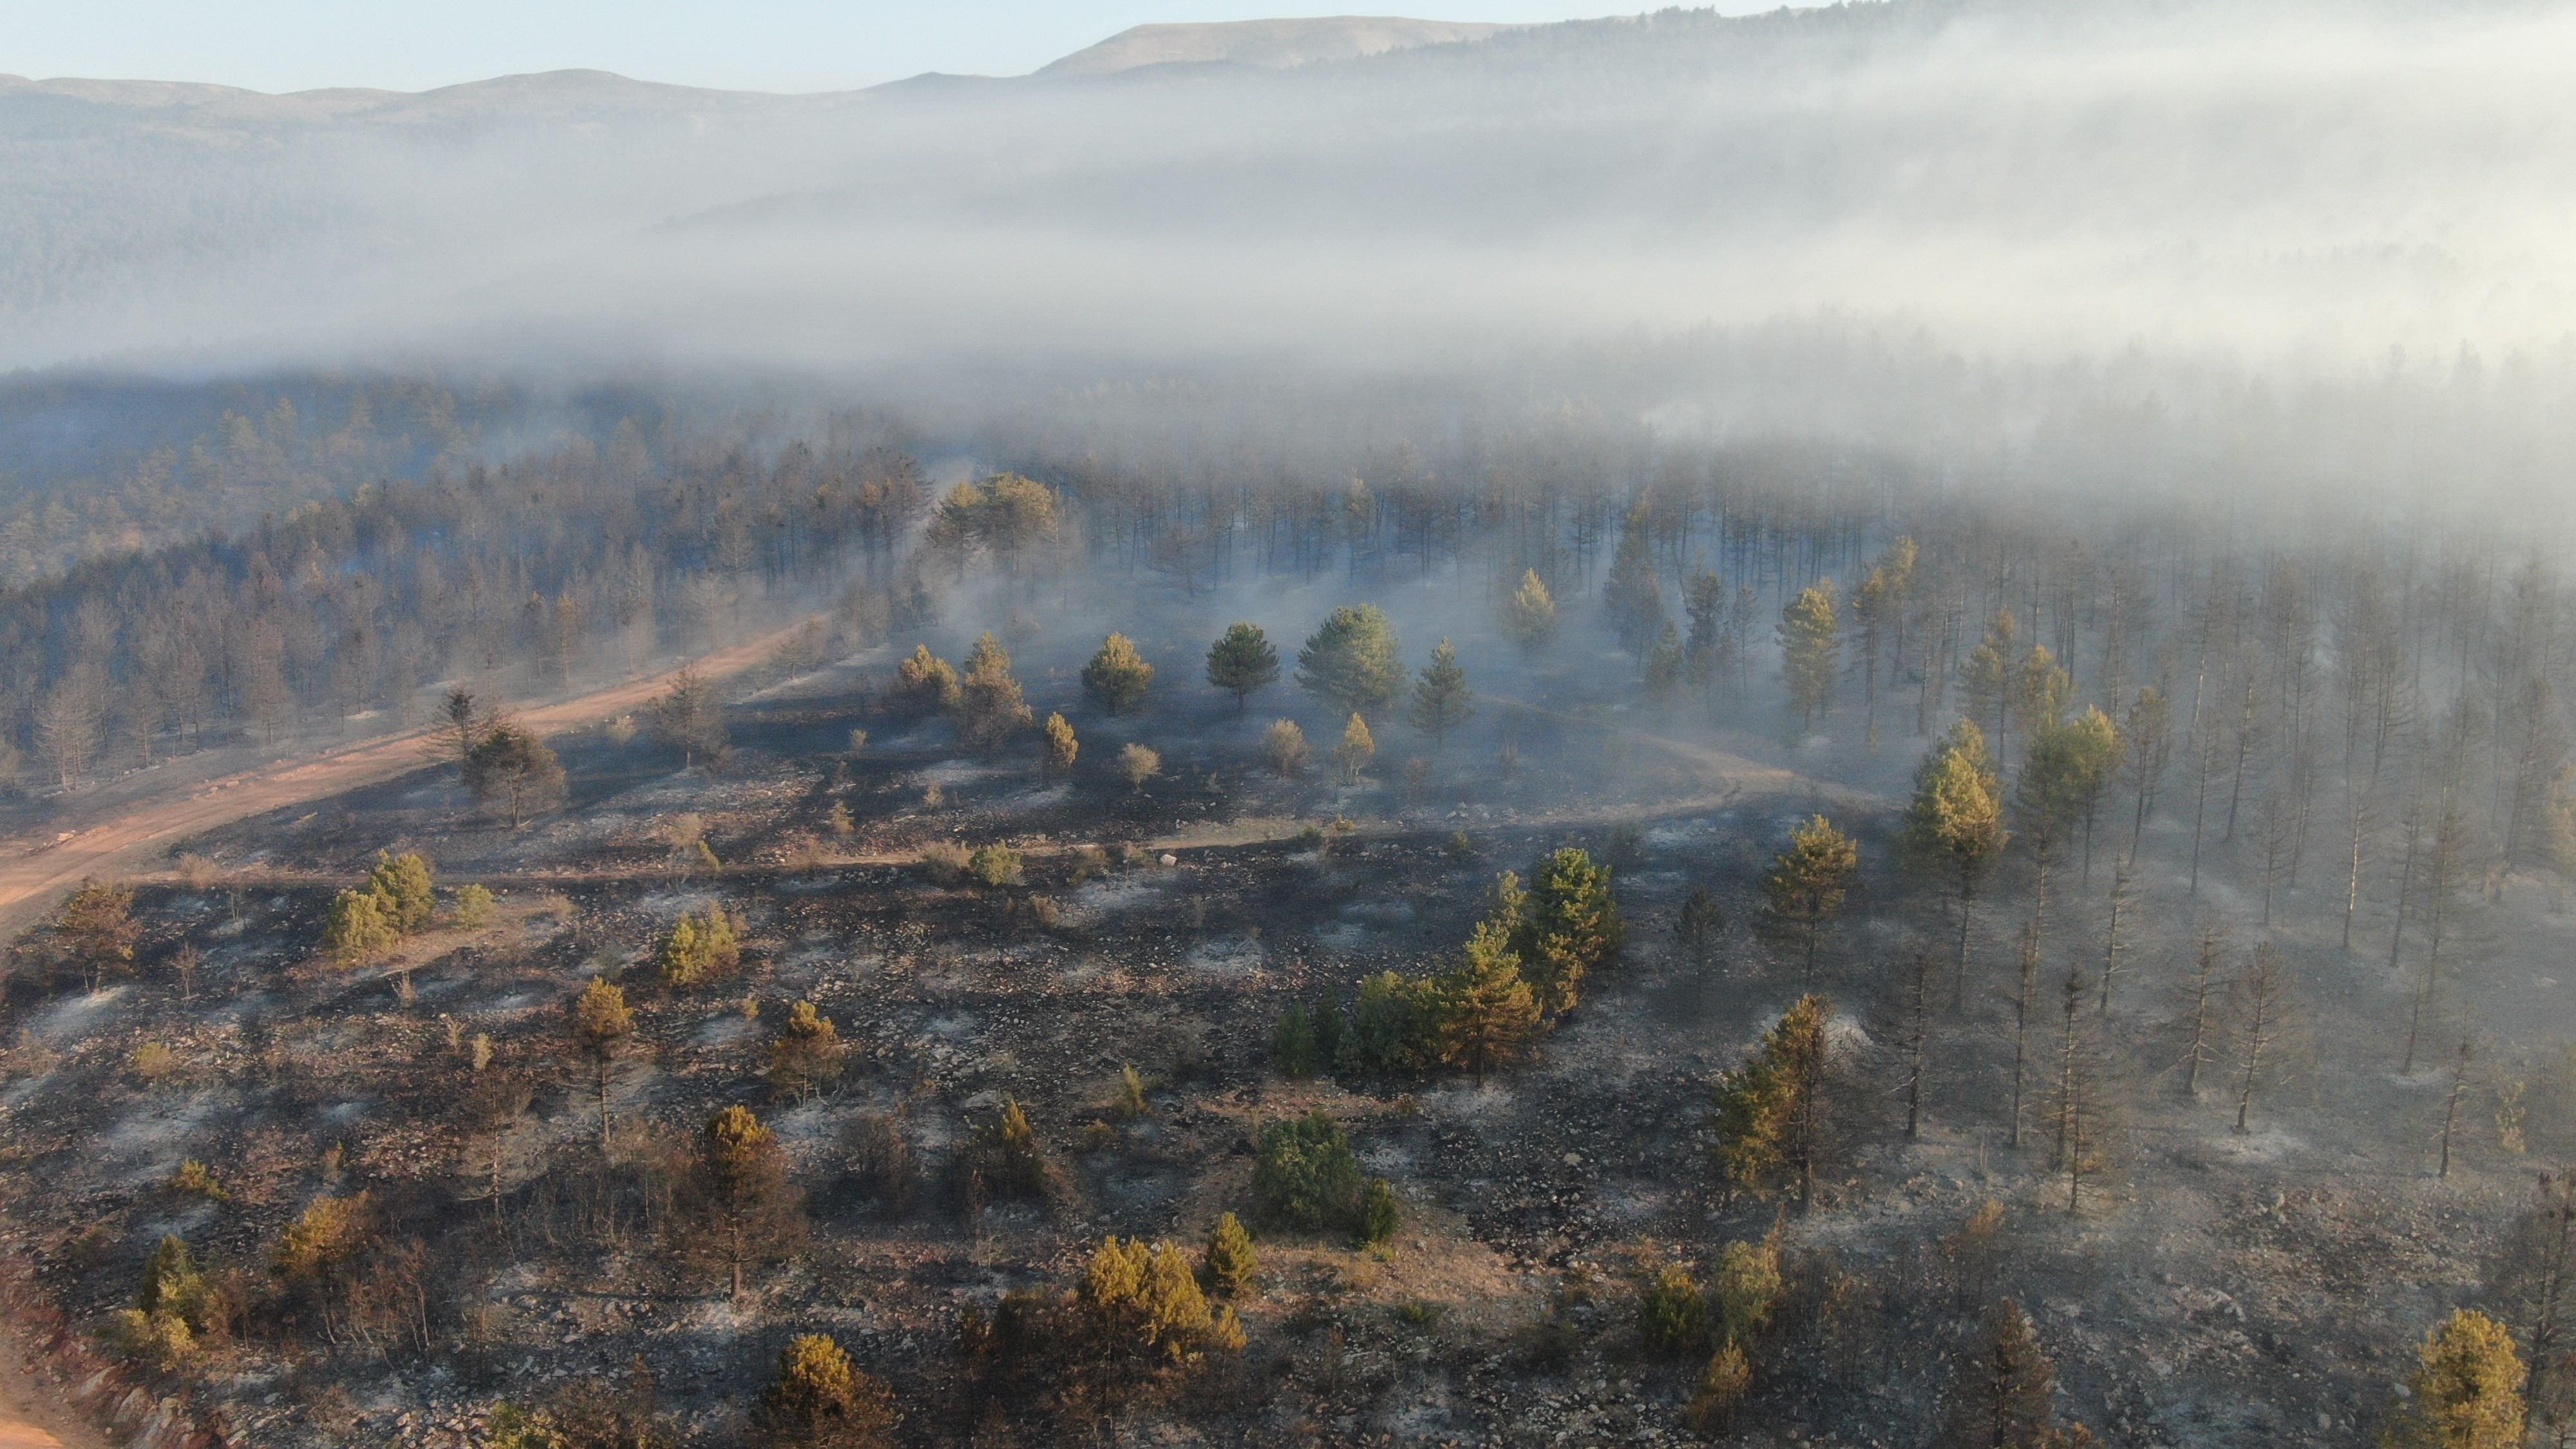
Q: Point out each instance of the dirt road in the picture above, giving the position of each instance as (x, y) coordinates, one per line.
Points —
(35, 872)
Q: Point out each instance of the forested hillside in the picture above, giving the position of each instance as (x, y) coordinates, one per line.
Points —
(292, 570)
(1704, 939)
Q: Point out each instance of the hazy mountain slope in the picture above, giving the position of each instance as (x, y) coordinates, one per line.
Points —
(1271, 44)
(2221, 179)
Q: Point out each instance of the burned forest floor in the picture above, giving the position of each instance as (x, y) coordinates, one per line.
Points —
(2206, 1288)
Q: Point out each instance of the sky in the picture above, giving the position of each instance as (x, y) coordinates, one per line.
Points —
(777, 45)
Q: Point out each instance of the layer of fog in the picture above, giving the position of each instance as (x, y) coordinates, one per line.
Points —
(2271, 189)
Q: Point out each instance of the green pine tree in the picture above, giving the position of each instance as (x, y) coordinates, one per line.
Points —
(1564, 928)
(1955, 824)
(923, 684)
(1486, 1014)
(1117, 677)
(1810, 652)
(360, 923)
(1350, 662)
(1809, 881)
(1672, 1313)
(2467, 1393)
(990, 708)
(1768, 1110)
(1230, 1265)
(1441, 701)
(1633, 597)
(1529, 616)
(410, 893)
(1242, 661)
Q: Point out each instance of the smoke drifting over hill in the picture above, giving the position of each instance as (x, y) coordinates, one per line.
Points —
(2272, 187)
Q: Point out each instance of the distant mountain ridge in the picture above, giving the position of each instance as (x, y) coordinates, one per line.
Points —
(561, 94)
(1267, 44)
(1291, 183)
(542, 95)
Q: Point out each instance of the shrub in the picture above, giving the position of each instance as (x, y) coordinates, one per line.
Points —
(1748, 1288)
(198, 1180)
(1146, 1298)
(1283, 746)
(945, 862)
(96, 930)
(1131, 1101)
(473, 906)
(923, 684)
(995, 865)
(162, 1340)
(1672, 1316)
(325, 1239)
(152, 1062)
(1138, 764)
(1004, 1153)
(1117, 677)
(512, 1426)
(175, 1311)
(1062, 746)
(1292, 1044)
(1379, 1214)
(173, 1284)
(1306, 1178)
(1352, 756)
(822, 1399)
(807, 1056)
(1231, 1265)
(1722, 1386)
(1391, 1027)
(1331, 1031)
(360, 923)
(700, 947)
(410, 892)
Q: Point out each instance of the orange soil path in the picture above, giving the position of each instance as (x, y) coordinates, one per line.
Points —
(34, 872)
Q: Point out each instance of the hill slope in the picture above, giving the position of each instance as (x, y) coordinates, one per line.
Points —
(1268, 44)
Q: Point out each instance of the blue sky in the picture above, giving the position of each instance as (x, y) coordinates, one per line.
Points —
(788, 45)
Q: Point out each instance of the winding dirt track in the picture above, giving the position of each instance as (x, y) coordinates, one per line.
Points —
(35, 872)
